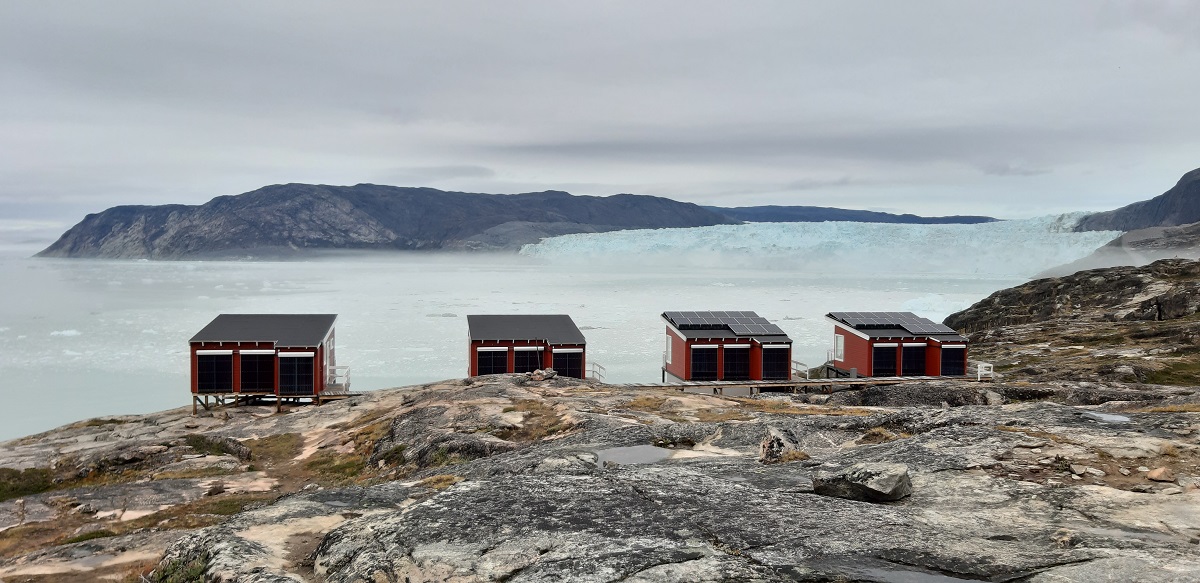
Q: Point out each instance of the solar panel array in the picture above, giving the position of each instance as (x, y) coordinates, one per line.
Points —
(906, 320)
(740, 323)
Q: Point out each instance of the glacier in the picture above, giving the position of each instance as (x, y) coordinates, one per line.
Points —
(1016, 248)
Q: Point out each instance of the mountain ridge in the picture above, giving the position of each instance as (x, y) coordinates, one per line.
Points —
(819, 214)
(1179, 205)
(292, 219)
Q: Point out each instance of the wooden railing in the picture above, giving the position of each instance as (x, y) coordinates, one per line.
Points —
(596, 371)
(338, 379)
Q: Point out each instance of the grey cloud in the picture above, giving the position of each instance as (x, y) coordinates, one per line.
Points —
(1001, 108)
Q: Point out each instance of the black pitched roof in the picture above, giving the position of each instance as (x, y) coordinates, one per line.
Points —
(551, 328)
(298, 330)
(727, 324)
(895, 324)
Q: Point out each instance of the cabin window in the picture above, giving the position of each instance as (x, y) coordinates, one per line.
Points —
(704, 363)
(667, 350)
(493, 361)
(839, 347)
(736, 366)
(883, 361)
(775, 363)
(569, 364)
(295, 375)
(258, 373)
(214, 373)
(954, 362)
(912, 361)
(526, 360)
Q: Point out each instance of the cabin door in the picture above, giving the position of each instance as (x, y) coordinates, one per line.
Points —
(491, 360)
(883, 361)
(776, 365)
(954, 362)
(214, 371)
(569, 364)
(912, 361)
(296, 375)
(736, 366)
(704, 363)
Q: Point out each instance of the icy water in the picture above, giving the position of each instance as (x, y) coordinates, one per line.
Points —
(83, 338)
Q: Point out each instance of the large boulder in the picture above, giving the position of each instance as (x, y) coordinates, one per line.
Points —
(780, 445)
(868, 482)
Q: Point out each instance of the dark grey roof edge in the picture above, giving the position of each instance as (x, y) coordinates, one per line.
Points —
(551, 328)
(285, 330)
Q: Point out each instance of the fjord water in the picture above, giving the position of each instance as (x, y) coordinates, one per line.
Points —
(83, 338)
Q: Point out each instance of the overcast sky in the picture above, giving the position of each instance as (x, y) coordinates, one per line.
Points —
(1010, 109)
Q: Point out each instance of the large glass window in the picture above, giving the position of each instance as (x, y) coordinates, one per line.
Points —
(491, 361)
(527, 360)
(258, 373)
(839, 347)
(883, 361)
(776, 364)
(296, 376)
(569, 364)
(704, 364)
(912, 361)
(736, 366)
(214, 373)
(954, 362)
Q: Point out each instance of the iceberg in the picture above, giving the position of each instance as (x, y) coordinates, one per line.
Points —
(1005, 249)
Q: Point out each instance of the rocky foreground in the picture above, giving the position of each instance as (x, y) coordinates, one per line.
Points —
(501, 478)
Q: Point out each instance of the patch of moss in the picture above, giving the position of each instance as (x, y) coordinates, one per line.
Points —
(208, 446)
(713, 415)
(335, 466)
(275, 448)
(440, 481)
(17, 483)
(540, 421)
(181, 570)
(95, 534)
(1184, 372)
(645, 403)
(394, 456)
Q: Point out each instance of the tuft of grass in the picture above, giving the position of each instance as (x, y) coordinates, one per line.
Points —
(208, 446)
(1184, 372)
(1169, 450)
(181, 571)
(394, 456)
(645, 403)
(440, 481)
(17, 483)
(713, 415)
(541, 421)
(275, 448)
(794, 455)
(335, 466)
(95, 534)
(878, 435)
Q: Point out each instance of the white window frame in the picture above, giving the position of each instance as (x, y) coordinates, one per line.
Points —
(839, 347)
(667, 351)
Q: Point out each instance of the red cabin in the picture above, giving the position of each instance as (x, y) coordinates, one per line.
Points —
(890, 344)
(260, 355)
(725, 346)
(525, 343)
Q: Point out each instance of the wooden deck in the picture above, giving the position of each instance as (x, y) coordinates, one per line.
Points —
(789, 386)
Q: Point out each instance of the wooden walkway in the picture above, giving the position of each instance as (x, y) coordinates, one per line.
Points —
(792, 386)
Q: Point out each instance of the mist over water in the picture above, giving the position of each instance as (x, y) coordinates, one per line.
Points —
(82, 338)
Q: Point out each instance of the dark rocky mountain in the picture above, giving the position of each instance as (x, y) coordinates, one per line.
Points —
(1118, 324)
(818, 214)
(293, 218)
(1178, 206)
